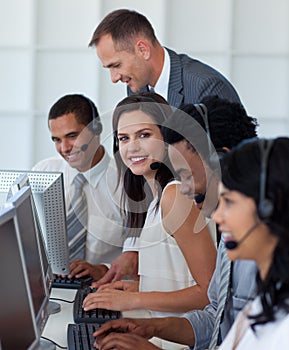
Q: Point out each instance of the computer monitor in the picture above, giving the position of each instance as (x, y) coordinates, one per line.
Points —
(20, 182)
(22, 201)
(48, 193)
(17, 323)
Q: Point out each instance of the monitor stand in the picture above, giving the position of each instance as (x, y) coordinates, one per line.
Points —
(53, 307)
(46, 345)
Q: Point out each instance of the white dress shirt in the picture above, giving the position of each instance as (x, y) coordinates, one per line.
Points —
(105, 228)
(162, 85)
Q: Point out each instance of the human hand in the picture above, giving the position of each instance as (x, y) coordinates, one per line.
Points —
(124, 341)
(111, 299)
(143, 327)
(126, 264)
(80, 268)
(129, 286)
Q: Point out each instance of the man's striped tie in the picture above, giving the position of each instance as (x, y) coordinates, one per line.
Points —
(77, 220)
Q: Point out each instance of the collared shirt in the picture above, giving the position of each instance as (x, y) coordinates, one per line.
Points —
(162, 85)
(243, 289)
(105, 223)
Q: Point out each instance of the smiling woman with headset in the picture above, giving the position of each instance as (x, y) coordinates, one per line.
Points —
(253, 216)
(176, 259)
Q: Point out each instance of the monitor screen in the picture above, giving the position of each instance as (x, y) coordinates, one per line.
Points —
(23, 202)
(17, 324)
(48, 193)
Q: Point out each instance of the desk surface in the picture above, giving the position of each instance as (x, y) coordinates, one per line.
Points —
(56, 326)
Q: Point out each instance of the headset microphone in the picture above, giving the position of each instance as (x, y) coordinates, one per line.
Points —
(230, 245)
(155, 165)
(199, 198)
(84, 147)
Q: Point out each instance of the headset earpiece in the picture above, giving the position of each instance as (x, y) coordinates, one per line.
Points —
(265, 206)
(95, 125)
(215, 158)
(116, 142)
(265, 209)
(214, 155)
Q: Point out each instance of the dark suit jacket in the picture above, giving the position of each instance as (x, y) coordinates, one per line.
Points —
(191, 80)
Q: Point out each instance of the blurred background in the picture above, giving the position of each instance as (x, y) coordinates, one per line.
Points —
(44, 55)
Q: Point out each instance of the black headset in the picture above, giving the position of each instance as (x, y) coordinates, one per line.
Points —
(214, 155)
(95, 125)
(265, 206)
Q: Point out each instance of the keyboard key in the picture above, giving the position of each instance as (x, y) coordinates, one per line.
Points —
(80, 336)
(71, 283)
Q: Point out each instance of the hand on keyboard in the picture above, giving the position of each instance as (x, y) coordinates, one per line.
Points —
(127, 334)
(81, 268)
(113, 299)
(97, 315)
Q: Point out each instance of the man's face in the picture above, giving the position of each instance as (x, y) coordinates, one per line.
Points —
(128, 67)
(68, 136)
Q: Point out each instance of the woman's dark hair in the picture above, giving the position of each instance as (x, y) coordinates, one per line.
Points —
(241, 171)
(137, 196)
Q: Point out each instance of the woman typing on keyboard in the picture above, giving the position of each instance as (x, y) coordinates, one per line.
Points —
(176, 252)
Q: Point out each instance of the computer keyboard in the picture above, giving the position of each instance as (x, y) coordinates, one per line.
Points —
(79, 336)
(93, 316)
(71, 283)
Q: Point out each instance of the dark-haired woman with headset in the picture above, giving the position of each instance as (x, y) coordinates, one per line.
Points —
(176, 260)
(253, 216)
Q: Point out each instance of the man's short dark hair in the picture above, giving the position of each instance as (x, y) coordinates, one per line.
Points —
(123, 25)
(82, 107)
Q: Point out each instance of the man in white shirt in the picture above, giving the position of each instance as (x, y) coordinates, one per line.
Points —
(75, 129)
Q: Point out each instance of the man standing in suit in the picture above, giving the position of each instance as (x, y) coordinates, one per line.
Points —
(126, 44)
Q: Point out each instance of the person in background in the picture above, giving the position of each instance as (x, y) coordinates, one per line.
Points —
(228, 124)
(127, 45)
(75, 128)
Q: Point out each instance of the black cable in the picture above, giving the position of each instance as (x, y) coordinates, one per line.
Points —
(66, 301)
(53, 342)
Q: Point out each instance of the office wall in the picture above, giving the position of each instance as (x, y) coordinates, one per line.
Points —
(44, 54)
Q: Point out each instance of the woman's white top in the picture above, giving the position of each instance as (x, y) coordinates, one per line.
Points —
(270, 336)
(162, 266)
